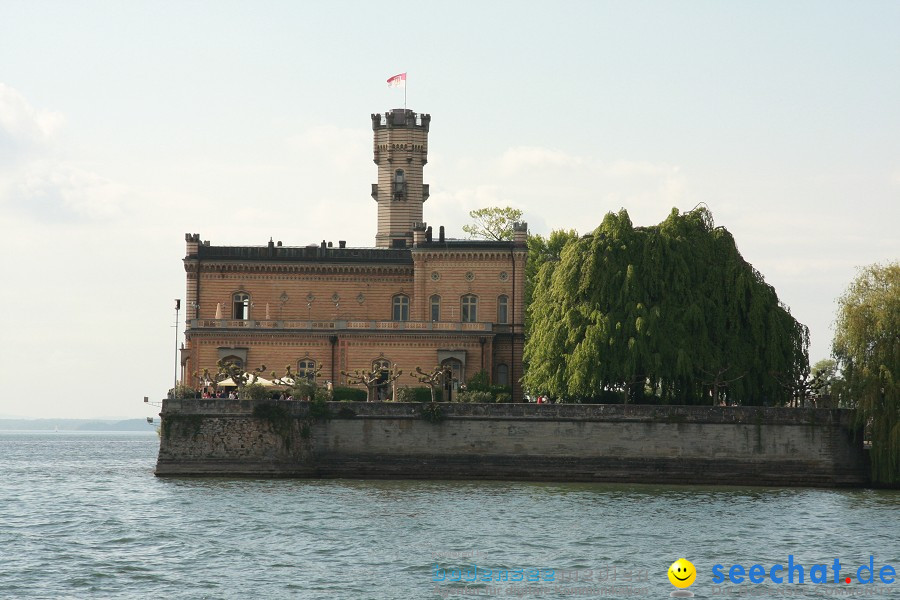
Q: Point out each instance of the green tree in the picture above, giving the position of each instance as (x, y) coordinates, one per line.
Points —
(540, 251)
(828, 384)
(493, 223)
(867, 348)
(669, 313)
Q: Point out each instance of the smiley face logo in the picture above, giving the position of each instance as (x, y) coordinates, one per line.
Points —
(682, 573)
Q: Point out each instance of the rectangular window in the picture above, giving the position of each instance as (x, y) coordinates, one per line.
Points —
(435, 308)
(503, 309)
(401, 308)
(469, 310)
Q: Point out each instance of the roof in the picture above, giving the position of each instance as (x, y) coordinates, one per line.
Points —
(304, 254)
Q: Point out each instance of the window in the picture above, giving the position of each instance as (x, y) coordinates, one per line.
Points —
(399, 185)
(241, 306)
(469, 310)
(383, 367)
(503, 309)
(233, 360)
(453, 375)
(401, 308)
(306, 369)
(502, 375)
(435, 308)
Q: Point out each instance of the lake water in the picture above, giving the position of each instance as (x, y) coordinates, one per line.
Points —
(81, 515)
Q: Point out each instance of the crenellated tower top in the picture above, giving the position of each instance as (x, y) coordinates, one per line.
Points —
(400, 151)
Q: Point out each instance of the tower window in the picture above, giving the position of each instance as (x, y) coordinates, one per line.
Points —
(435, 308)
(401, 308)
(469, 310)
(398, 187)
(240, 306)
(503, 309)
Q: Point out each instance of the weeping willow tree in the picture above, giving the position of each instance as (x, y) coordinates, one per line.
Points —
(670, 313)
(867, 348)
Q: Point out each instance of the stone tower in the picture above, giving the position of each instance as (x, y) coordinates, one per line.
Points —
(401, 150)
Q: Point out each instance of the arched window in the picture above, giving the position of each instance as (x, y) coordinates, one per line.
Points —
(401, 308)
(503, 309)
(502, 375)
(306, 368)
(240, 306)
(399, 185)
(233, 360)
(435, 308)
(469, 310)
(452, 376)
(382, 391)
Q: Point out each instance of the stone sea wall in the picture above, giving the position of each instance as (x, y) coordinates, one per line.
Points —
(562, 442)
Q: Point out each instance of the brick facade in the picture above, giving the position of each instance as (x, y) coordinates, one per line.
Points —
(413, 300)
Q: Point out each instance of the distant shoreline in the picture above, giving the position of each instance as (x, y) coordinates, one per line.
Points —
(77, 425)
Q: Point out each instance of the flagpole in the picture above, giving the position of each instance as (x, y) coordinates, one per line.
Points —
(405, 83)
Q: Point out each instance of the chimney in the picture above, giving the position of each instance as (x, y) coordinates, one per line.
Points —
(428, 234)
(329, 244)
(342, 243)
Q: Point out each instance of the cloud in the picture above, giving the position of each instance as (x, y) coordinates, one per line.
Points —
(343, 148)
(24, 128)
(38, 184)
(556, 189)
(52, 191)
(526, 158)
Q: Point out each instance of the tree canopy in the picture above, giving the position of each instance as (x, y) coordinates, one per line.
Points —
(671, 311)
(867, 348)
(493, 223)
(541, 250)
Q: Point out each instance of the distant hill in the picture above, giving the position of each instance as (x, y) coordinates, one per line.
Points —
(77, 425)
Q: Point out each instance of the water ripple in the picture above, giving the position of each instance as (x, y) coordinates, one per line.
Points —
(82, 515)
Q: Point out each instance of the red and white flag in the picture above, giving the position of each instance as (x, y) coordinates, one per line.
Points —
(397, 81)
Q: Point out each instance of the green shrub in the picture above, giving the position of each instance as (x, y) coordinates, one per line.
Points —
(417, 394)
(405, 394)
(503, 397)
(349, 394)
(479, 382)
(475, 397)
(307, 390)
(254, 391)
(181, 391)
(432, 412)
(606, 397)
(318, 409)
(500, 389)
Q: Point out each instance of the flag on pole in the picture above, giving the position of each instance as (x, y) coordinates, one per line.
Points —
(397, 81)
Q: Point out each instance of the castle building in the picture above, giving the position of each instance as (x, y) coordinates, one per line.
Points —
(414, 300)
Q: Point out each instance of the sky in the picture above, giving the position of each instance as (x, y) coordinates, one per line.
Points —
(125, 125)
